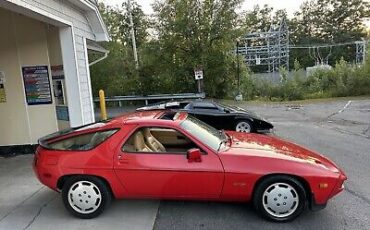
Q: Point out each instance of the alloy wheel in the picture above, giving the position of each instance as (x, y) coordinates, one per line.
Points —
(243, 127)
(84, 197)
(280, 200)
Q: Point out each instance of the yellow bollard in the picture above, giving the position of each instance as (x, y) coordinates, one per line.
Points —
(103, 108)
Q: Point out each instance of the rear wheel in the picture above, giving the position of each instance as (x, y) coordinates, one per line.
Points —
(86, 197)
(280, 198)
(244, 126)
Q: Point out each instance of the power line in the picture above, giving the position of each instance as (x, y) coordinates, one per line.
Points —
(326, 45)
(315, 49)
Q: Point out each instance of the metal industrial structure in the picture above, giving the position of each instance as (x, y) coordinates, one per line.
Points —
(269, 48)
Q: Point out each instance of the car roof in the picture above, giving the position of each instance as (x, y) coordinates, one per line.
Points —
(137, 115)
(147, 117)
(152, 117)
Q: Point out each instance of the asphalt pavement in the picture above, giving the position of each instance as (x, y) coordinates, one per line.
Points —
(339, 129)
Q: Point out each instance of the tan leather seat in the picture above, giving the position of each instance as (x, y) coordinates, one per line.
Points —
(139, 143)
(152, 142)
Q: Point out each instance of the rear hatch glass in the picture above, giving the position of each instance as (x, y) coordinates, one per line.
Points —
(84, 141)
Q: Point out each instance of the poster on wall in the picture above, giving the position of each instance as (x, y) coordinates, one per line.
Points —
(37, 85)
(2, 87)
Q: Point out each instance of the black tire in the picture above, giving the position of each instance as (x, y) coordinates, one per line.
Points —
(80, 188)
(245, 122)
(271, 185)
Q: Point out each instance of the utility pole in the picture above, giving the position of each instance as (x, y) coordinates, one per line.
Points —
(238, 64)
(132, 34)
(239, 97)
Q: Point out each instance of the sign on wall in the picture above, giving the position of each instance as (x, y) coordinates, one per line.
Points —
(57, 72)
(37, 85)
(2, 87)
(198, 74)
(62, 113)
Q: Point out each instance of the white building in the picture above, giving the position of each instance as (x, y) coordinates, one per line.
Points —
(44, 68)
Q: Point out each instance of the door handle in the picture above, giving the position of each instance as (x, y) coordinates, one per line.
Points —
(122, 160)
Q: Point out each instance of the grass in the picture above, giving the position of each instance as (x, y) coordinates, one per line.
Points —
(296, 102)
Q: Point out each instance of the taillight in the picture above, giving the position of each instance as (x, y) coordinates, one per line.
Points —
(35, 158)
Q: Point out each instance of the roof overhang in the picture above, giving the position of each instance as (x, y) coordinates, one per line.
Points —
(93, 16)
(91, 45)
(86, 7)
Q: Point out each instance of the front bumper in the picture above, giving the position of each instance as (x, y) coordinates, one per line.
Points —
(339, 187)
(313, 206)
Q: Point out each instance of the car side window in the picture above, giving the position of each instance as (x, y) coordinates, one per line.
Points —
(158, 140)
(82, 142)
(205, 106)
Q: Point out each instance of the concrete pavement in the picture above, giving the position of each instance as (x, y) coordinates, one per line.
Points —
(26, 204)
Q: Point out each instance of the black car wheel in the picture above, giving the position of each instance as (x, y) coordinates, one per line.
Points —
(85, 197)
(280, 198)
(244, 126)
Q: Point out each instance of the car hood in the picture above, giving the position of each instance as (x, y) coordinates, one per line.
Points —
(272, 147)
(241, 111)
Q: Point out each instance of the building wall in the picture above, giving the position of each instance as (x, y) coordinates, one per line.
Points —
(82, 30)
(14, 126)
(23, 43)
(65, 10)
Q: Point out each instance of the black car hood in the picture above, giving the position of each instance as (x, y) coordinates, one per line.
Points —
(240, 111)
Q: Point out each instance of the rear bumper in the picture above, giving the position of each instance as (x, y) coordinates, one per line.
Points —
(45, 174)
(264, 130)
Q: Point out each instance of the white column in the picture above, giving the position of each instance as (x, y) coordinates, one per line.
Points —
(72, 81)
(89, 83)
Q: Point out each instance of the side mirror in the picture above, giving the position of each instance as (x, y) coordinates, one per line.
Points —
(226, 111)
(194, 155)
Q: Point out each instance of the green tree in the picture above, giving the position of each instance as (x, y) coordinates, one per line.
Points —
(117, 74)
(195, 33)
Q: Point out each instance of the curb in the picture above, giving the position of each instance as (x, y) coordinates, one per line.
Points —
(15, 150)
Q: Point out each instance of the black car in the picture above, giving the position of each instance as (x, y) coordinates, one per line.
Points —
(218, 115)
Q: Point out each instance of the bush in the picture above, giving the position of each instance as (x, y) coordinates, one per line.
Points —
(343, 80)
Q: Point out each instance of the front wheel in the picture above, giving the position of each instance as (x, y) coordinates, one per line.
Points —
(280, 198)
(86, 197)
(244, 126)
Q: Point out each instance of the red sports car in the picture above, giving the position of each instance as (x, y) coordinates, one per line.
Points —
(166, 155)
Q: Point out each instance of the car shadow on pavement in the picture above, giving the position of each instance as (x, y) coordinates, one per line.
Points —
(181, 215)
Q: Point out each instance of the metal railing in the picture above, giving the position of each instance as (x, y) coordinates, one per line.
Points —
(159, 97)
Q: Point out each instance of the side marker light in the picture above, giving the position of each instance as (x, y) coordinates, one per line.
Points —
(323, 185)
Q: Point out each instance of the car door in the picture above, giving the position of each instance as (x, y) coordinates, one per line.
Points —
(168, 174)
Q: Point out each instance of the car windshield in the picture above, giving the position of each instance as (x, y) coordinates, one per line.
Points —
(208, 135)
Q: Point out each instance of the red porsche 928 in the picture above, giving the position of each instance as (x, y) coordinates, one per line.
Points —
(164, 155)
